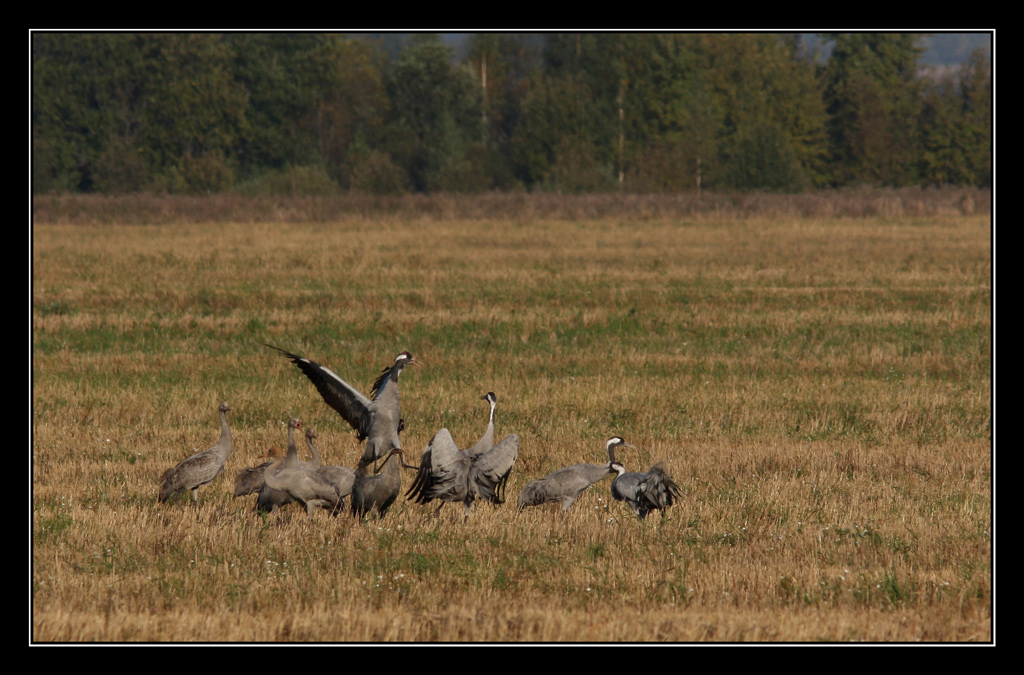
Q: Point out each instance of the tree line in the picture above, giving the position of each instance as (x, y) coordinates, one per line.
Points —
(563, 112)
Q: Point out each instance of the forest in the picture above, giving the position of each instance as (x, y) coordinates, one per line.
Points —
(642, 113)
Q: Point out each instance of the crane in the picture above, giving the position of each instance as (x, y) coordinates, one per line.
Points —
(377, 419)
(566, 484)
(201, 468)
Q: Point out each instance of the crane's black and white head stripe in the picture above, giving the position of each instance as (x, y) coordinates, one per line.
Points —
(617, 468)
(612, 443)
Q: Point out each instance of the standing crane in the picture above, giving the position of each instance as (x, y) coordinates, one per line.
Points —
(342, 477)
(270, 500)
(303, 484)
(201, 468)
(566, 484)
(375, 493)
(453, 475)
(377, 419)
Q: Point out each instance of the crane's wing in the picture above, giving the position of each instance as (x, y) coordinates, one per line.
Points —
(490, 471)
(439, 468)
(249, 479)
(659, 490)
(191, 472)
(348, 401)
(443, 452)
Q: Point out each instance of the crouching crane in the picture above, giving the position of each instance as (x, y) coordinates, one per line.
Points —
(645, 492)
(303, 484)
(565, 485)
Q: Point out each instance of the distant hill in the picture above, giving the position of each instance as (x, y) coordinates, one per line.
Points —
(947, 49)
(941, 49)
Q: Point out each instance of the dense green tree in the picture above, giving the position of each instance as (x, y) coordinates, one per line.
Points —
(131, 111)
(433, 121)
(677, 117)
(872, 92)
(572, 112)
(942, 158)
(976, 92)
(501, 64)
(195, 117)
(274, 72)
(311, 95)
(88, 106)
(576, 114)
(773, 133)
(956, 126)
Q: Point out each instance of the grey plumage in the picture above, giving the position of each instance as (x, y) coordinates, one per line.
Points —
(270, 500)
(342, 477)
(565, 485)
(250, 479)
(303, 484)
(377, 419)
(375, 493)
(201, 468)
(486, 441)
(453, 475)
(645, 492)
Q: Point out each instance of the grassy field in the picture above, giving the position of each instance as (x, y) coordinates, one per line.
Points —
(819, 385)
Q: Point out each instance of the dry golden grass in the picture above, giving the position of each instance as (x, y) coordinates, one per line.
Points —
(820, 387)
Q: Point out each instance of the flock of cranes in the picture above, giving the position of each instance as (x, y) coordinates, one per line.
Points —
(445, 473)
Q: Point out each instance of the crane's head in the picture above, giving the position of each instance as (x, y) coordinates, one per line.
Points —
(294, 424)
(224, 407)
(310, 433)
(490, 397)
(405, 359)
(615, 442)
(616, 468)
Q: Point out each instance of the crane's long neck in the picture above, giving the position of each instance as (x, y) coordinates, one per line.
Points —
(317, 459)
(291, 459)
(225, 434)
(488, 438)
(611, 453)
(388, 381)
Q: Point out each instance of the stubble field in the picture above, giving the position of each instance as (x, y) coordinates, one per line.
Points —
(819, 386)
